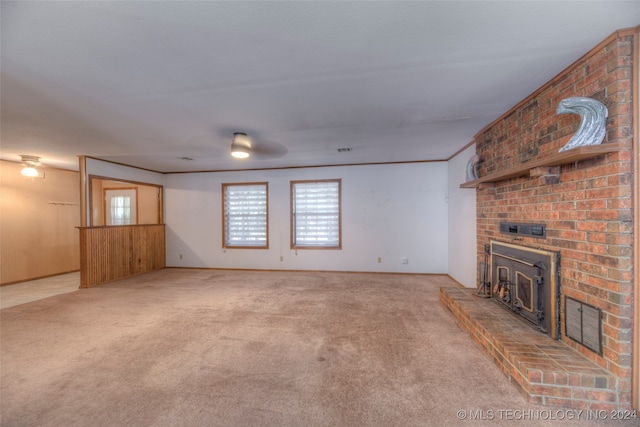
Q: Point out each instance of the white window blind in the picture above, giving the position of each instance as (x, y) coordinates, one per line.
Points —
(245, 215)
(316, 214)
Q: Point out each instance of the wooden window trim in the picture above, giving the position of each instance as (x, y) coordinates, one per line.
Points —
(224, 219)
(91, 178)
(291, 215)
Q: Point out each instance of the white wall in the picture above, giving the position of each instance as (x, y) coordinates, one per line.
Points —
(390, 211)
(462, 222)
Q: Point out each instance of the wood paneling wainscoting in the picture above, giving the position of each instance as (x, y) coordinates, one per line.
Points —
(114, 252)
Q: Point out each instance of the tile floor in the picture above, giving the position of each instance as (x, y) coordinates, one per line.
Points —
(21, 293)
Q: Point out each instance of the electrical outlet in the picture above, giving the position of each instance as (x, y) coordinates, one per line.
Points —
(180, 256)
(379, 260)
(281, 258)
(405, 260)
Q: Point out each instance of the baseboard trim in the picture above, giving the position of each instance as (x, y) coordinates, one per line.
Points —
(309, 271)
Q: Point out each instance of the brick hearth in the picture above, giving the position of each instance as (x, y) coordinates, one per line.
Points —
(547, 372)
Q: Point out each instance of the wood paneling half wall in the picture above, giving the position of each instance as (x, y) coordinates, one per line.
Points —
(113, 253)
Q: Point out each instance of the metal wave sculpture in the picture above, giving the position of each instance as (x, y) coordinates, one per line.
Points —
(472, 168)
(592, 129)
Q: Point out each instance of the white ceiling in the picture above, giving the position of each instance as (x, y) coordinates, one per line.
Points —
(146, 83)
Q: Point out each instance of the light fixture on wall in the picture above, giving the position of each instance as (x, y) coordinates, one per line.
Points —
(241, 145)
(30, 163)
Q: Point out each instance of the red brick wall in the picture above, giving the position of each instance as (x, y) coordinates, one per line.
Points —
(589, 212)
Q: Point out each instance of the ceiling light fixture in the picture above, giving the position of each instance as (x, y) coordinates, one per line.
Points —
(30, 163)
(241, 145)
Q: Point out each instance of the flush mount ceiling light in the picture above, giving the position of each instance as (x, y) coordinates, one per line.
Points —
(30, 163)
(241, 145)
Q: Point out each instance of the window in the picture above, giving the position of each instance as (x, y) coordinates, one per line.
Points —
(121, 210)
(315, 214)
(245, 215)
(120, 206)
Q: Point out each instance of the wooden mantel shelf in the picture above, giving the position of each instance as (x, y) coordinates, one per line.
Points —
(570, 156)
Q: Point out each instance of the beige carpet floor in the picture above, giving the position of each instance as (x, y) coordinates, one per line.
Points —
(183, 347)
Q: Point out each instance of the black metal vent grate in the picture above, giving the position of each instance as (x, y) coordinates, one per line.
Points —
(519, 229)
(583, 324)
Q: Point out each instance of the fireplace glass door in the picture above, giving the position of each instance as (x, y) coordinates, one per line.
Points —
(517, 288)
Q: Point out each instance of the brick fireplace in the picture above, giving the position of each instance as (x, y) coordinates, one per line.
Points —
(583, 198)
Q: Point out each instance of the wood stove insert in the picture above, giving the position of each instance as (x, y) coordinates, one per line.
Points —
(525, 280)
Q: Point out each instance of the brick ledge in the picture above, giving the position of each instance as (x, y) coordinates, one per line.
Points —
(546, 371)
